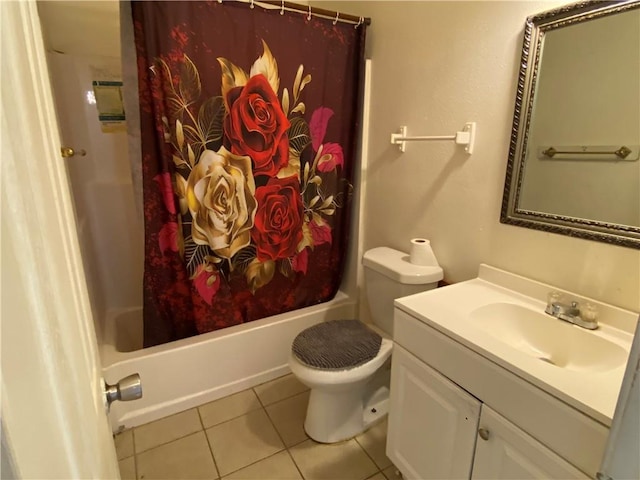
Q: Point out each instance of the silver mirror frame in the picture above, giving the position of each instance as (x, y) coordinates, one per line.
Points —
(535, 28)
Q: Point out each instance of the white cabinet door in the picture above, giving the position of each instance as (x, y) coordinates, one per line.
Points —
(503, 451)
(432, 421)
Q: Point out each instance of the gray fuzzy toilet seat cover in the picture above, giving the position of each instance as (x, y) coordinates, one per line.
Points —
(336, 345)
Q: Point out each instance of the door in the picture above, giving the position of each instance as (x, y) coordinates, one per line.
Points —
(432, 421)
(621, 459)
(504, 451)
(53, 412)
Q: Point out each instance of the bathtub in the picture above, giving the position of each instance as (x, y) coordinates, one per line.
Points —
(183, 374)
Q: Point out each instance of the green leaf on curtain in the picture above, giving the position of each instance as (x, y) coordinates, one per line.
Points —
(194, 254)
(285, 102)
(210, 119)
(296, 83)
(299, 108)
(179, 134)
(286, 268)
(306, 80)
(175, 103)
(192, 135)
(266, 65)
(189, 86)
(232, 76)
(293, 166)
(191, 155)
(177, 161)
(243, 258)
(258, 273)
(299, 135)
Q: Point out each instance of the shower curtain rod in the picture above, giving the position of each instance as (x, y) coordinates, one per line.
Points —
(341, 17)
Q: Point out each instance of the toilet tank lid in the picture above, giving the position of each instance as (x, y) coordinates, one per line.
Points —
(395, 265)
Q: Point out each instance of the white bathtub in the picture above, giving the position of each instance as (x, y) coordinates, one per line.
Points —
(185, 373)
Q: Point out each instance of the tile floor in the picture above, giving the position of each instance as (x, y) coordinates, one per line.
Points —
(254, 434)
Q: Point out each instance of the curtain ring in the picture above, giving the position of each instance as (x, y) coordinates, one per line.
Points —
(360, 20)
(252, 5)
(282, 9)
(309, 16)
(336, 19)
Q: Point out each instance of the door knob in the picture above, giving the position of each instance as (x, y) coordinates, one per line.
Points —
(484, 433)
(67, 152)
(127, 389)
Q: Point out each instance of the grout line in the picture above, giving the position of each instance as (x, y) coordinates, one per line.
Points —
(257, 461)
(368, 454)
(375, 474)
(204, 430)
(170, 441)
(273, 424)
(258, 396)
(135, 454)
(230, 419)
(294, 462)
(281, 399)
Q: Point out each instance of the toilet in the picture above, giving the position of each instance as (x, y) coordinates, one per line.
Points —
(341, 361)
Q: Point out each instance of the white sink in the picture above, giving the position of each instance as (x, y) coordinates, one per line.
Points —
(547, 338)
(500, 316)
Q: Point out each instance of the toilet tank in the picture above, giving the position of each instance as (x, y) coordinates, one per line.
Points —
(389, 275)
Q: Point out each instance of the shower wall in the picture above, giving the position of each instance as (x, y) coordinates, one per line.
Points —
(83, 44)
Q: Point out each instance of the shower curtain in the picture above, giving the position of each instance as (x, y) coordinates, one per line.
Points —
(249, 122)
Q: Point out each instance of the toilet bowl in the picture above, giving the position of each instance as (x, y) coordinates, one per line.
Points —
(346, 400)
(337, 399)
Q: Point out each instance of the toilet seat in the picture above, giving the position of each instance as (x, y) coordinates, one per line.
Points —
(336, 345)
(325, 378)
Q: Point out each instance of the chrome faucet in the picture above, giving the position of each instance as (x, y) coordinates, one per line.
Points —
(572, 313)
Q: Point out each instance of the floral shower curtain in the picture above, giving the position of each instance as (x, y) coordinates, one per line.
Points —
(249, 123)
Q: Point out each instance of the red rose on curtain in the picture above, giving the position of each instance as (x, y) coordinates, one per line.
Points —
(278, 222)
(256, 126)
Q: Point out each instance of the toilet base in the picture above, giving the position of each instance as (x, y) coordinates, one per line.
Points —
(335, 416)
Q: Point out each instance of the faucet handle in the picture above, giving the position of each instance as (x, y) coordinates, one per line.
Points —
(590, 312)
(575, 304)
(553, 302)
(553, 297)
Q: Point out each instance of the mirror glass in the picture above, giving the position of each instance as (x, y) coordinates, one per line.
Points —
(574, 160)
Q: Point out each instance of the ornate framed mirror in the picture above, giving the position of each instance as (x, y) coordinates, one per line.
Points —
(574, 155)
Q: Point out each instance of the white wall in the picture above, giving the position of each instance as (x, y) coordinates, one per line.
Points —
(437, 65)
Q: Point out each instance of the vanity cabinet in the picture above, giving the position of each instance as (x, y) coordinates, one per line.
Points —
(432, 421)
(445, 398)
(503, 451)
(438, 430)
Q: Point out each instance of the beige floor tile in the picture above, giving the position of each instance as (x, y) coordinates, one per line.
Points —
(228, 407)
(243, 441)
(392, 473)
(378, 476)
(166, 430)
(288, 417)
(279, 389)
(374, 442)
(124, 444)
(337, 461)
(278, 466)
(186, 458)
(127, 468)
